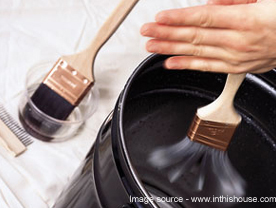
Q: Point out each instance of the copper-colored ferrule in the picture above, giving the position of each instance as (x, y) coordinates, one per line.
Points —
(214, 134)
(67, 82)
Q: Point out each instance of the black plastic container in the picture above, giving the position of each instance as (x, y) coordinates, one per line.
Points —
(155, 109)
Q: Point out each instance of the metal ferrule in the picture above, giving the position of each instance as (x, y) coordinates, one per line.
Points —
(68, 82)
(214, 134)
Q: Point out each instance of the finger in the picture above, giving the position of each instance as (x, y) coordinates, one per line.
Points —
(234, 16)
(263, 65)
(262, 70)
(180, 48)
(217, 65)
(201, 64)
(231, 2)
(194, 35)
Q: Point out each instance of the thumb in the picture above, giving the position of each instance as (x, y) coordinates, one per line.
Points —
(230, 2)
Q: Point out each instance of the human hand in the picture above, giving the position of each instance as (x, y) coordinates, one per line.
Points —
(221, 38)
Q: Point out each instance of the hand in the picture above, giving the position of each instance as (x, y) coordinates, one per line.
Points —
(221, 38)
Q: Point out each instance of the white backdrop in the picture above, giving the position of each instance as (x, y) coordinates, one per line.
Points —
(34, 31)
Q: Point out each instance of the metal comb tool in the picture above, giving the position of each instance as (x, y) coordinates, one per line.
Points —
(12, 137)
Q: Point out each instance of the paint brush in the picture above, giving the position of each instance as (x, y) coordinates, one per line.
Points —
(72, 76)
(203, 152)
(215, 124)
(68, 82)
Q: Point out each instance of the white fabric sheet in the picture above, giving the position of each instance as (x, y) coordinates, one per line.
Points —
(34, 31)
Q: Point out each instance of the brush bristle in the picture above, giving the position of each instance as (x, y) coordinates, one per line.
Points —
(51, 103)
(192, 163)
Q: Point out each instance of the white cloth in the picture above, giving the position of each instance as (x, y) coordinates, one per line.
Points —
(35, 31)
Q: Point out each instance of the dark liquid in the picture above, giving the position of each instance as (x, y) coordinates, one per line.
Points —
(34, 125)
(160, 119)
(51, 104)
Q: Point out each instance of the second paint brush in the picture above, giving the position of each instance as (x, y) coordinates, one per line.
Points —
(71, 77)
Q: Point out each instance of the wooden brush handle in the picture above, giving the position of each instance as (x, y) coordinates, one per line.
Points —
(9, 141)
(222, 109)
(231, 87)
(84, 60)
(111, 24)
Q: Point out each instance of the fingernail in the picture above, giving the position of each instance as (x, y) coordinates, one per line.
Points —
(152, 47)
(210, 2)
(162, 18)
(172, 65)
(144, 30)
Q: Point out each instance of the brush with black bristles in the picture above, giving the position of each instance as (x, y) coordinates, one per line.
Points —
(72, 76)
(202, 157)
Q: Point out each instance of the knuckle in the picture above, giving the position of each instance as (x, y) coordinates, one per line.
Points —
(205, 19)
(244, 57)
(241, 57)
(198, 50)
(196, 36)
(206, 66)
(237, 69)
(234, 62)
(239, 46)
(237, 58)
(244, 47)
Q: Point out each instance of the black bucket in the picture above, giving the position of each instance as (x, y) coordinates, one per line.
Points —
(155, 109)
